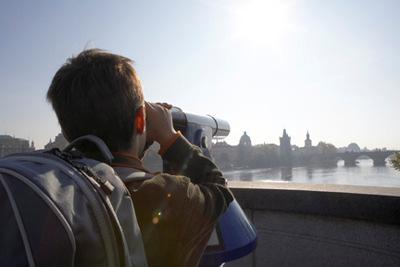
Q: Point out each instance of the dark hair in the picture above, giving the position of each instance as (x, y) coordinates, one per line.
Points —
(97, 93)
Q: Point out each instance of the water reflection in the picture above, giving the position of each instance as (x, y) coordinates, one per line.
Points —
(310, 171)
(286, 173)
(362, 174)
(246, 176)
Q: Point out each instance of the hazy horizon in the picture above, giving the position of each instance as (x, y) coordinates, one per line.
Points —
(330, 68)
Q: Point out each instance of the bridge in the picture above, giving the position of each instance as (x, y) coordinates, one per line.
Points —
(378, 156)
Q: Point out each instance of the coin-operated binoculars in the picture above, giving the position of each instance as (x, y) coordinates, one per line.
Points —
(234, 236)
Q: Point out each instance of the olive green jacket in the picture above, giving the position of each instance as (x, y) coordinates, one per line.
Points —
(177, 212)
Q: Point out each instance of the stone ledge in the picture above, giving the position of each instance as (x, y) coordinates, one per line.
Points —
(354, 189)
(377, 204)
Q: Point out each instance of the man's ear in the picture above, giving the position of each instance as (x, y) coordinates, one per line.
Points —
(140, 120)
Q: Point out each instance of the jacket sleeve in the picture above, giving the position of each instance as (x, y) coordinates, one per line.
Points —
(188, 160)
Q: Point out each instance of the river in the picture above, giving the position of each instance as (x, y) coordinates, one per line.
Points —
(362, 174)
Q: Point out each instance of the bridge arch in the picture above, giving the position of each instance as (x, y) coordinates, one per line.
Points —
(343, 161)
(365, 157)
(378, 157)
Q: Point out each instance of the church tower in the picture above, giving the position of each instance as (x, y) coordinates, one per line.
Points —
(245, 150)
(32, 148)
(245, 140)
(307, 142)
(285, 149)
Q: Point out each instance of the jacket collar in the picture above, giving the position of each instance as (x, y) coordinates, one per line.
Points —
(126, 160)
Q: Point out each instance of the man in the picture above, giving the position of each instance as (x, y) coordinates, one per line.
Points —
(100, 93)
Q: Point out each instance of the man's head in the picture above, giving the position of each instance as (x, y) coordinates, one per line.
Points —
(99, 93)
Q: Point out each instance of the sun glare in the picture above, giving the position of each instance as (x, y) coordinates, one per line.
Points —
(262, 22)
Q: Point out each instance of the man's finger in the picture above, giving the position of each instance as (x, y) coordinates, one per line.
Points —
(151, 107)
(165, 105)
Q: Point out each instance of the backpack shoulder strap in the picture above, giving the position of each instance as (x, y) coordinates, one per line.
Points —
(138, 176)
(100, 145)
(128, 175)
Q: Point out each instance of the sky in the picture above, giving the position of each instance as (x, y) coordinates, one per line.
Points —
(329, 67)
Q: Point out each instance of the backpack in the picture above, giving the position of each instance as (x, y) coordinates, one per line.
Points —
(59, 208)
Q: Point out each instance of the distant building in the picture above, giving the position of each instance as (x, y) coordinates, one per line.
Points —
(244, 150)
(245, 140)
(353, 147)
(11, 145)
(224, 155)
(285, 149)
(308, 142)
(59, 142)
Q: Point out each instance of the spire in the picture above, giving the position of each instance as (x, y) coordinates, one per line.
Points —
(285, 135)
(308, 142)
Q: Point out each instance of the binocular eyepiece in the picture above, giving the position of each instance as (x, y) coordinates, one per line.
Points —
(199, 130)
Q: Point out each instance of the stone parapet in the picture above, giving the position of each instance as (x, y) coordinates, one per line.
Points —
(321, 225)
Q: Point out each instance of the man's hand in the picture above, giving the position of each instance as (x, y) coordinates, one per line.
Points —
(159, 123)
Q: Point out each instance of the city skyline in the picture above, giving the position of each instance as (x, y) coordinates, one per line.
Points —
(245, 155)
(307, 142)
(330, 68)
(312, 142)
